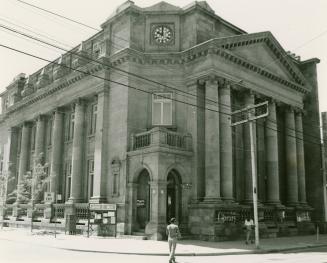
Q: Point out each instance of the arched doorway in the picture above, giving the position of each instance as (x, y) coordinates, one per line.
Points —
(174, 196)
(143, 200)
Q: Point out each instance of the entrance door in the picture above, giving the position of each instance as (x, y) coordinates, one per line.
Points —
(173, 196)
(143, 200)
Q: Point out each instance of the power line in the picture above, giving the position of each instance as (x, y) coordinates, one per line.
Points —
(85, 25)
(90, 27)
(58, 15)
(126, 72)
(137, 89)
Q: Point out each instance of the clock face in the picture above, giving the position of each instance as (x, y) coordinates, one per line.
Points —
(162, 34)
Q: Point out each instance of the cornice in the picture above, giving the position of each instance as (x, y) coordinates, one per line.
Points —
(220, 47)
(209, 48)
(55, 87)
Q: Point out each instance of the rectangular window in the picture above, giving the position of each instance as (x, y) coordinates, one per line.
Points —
(1, 164)
(90, 170)
(162, 109)
(69, 126)
(93, 119)
(116, 184)
(33, 135)
(68, 173)
(72, 125)
(19, 143)
(49, 131)
(47, 171)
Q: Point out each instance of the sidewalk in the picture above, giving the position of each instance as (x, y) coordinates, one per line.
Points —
(159, 248)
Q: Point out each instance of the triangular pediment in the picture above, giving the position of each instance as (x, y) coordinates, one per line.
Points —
(264, 51)
(162, 7)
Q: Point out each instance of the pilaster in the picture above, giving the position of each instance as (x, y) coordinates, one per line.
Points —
(300, 157)
(101, 148)
(291, 158)
(212, 141)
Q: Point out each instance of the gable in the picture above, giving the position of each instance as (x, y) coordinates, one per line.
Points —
(261, 55)
(162, 7)
(264, 50)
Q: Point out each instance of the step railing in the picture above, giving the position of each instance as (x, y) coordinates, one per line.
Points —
(81, 210)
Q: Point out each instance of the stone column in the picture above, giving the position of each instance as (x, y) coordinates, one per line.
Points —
(101, 148)
(212, 147)
(158, 196)
(132, 209)
(24, 150)
(249, 100)
(239, 149)
(226, 146)
(261, 156)
(272, 155)
(300, 157)
(77, 153)
(10, 162)
(39, 139)
(57, 150)
(291, 158)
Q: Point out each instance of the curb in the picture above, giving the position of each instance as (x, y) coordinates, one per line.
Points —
(259, 251)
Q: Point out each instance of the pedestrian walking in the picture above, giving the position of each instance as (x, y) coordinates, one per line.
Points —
(249, 226)
(173, 235)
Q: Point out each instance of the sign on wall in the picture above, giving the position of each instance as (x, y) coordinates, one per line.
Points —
(49, 197)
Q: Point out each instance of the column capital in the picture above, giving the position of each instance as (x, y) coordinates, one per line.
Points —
(13, 129)
(192, 82)
(211, 80)
(79, 101)
(41, 117)
(58, 110)
(299, 111)
(28, 124)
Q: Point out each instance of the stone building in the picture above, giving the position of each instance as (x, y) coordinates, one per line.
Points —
(138, 116)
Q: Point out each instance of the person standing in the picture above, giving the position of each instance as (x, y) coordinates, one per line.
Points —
(249, 226)
(173, 234)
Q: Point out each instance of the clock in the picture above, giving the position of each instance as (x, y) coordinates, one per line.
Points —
(162, 34)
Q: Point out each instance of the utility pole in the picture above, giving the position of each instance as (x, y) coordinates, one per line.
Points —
(249, 115)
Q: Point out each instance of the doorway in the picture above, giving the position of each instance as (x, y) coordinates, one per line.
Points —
(174, 196)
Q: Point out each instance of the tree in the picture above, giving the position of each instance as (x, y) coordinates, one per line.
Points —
(4, 180)
(31, 186)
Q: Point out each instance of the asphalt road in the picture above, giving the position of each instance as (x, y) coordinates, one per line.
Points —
(17, 251)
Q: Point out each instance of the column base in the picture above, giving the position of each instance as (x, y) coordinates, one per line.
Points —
(275, 204)
(293, 204)
(73, 200)
(212, 200)
(97, 200)
(155, 230)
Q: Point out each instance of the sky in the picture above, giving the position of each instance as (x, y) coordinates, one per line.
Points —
(298, 25)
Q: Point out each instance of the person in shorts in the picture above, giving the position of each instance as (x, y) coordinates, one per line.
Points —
(173, 234)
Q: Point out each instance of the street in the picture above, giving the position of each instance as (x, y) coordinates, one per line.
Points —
(21, 251)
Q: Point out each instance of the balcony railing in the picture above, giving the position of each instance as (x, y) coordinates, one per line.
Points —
(160, 136)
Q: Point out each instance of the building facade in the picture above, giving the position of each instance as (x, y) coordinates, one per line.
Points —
(139, 117)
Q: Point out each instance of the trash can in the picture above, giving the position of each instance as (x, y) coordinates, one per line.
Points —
(70, 225)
